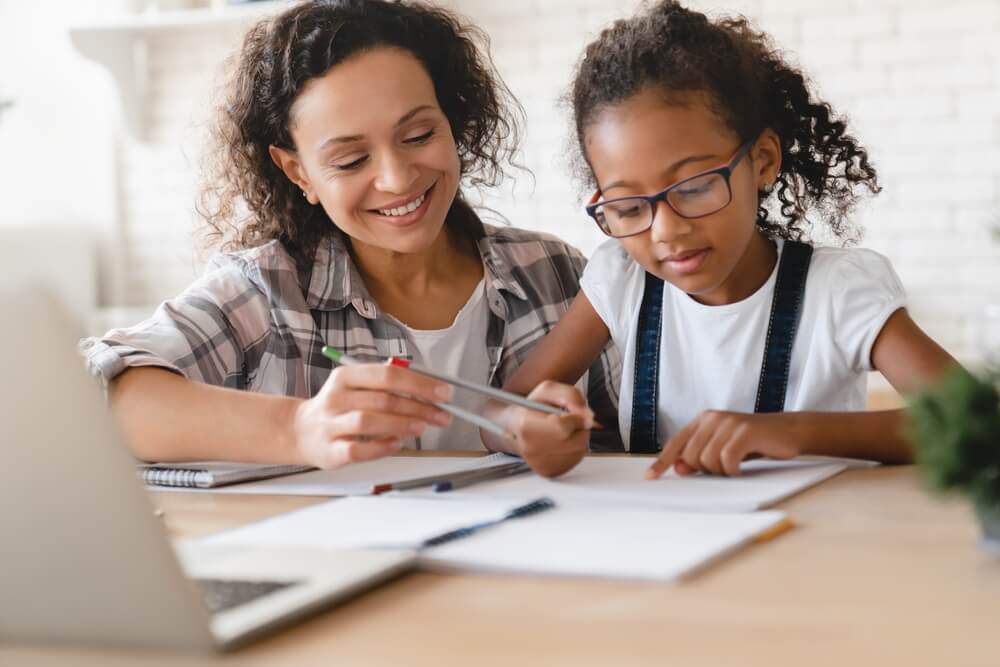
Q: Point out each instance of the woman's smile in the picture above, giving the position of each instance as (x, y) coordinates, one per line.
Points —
(405, 212)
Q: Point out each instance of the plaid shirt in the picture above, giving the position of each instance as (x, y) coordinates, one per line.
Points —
(248, 324)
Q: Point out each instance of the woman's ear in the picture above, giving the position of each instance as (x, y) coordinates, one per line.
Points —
(289, 163)
(766, 153)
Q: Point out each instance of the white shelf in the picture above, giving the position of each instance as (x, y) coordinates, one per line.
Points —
(179, 19)
(121, 44)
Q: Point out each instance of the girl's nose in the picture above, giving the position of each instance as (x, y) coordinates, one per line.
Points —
(667, 225)
(396, 174)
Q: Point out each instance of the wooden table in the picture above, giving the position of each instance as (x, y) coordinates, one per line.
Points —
(876, 573)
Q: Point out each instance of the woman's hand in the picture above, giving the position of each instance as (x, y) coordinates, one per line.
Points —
(552, 444)
(363, 412)
(717, 442)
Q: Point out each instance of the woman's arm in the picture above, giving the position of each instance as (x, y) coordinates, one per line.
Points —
(354, 417)
(718, 441)
(552, 444)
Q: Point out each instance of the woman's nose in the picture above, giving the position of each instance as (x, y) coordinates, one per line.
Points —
(396, 174)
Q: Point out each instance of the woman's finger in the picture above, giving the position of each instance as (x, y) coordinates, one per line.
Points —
(389, 378)
(391, 404)
(341, 452)
(371, 425)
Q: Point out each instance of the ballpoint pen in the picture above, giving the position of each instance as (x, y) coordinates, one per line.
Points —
(492, 392)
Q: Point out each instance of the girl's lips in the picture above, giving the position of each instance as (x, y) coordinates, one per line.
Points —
(688, 262)
(410, 218)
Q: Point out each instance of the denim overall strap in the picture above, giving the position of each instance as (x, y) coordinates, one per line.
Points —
(786, 309)
(645, 385)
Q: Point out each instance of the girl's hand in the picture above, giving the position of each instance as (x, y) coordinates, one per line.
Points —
(716, 442)
(363, 412)
(552, 444)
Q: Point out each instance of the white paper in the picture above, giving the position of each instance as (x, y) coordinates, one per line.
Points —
(357, 478)
(606, 480)
(380, 521)
(620, 543)
(613, 543)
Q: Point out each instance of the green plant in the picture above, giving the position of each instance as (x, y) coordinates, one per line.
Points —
(955, 426)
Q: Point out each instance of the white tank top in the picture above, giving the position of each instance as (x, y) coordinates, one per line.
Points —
(459, 350)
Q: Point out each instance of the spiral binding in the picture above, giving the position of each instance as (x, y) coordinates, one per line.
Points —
(175, 477)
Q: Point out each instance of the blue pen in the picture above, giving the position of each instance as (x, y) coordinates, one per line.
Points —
(486, 475)
(534, 507)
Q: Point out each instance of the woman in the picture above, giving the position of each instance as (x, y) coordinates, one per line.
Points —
(341, 147)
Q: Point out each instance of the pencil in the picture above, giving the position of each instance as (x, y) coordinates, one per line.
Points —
(471, 417)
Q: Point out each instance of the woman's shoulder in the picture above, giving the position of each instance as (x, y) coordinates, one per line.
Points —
(522, 243)
(270, 256)
(266, 269)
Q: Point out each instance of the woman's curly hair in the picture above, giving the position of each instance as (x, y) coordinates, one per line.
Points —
(751, 87)
(247, 200)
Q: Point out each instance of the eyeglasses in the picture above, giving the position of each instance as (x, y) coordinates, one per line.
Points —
(695, 197)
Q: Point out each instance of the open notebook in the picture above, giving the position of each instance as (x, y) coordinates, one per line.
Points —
(613, 542)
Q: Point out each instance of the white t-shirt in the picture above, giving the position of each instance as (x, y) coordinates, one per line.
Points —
(459, 350)
(710, 356)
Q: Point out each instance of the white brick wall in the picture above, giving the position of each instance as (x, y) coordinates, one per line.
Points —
(920, 80)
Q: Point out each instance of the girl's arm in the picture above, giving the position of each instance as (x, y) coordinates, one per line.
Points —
(718, 441)
(552, 444)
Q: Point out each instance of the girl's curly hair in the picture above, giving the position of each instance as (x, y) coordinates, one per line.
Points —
(751, 87)
(247, 200)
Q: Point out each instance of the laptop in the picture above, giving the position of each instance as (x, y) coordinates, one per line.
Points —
(84, 559)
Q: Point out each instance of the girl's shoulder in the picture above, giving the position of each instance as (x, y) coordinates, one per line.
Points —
(611, 255)
(846, 268)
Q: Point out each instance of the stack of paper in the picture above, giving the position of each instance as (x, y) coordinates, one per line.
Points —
(609, 521)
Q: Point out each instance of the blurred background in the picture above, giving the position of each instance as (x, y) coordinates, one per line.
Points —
(103, 105)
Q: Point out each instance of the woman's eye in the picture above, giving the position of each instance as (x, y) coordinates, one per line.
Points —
(353, 164)
(420, 138)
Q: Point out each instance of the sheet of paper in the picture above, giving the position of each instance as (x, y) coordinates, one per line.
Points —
(373, 521)
(357, 478)
(618, 543)
(614, 542)
(606, 480)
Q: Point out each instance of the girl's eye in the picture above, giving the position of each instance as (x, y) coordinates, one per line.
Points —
(420, 138)
(694, 190)
(353, 164)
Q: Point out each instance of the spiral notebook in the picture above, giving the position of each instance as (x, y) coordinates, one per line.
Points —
(210, 474)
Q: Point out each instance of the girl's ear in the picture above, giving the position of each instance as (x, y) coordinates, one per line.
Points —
(766, 153)
(290, 164)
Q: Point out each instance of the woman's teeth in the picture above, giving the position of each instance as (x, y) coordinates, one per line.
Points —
(403, 210)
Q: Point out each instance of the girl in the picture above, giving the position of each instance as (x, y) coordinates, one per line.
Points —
(707, 151)
(347, 131)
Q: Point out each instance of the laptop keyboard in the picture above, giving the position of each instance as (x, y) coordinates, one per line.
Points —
(223, 594)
